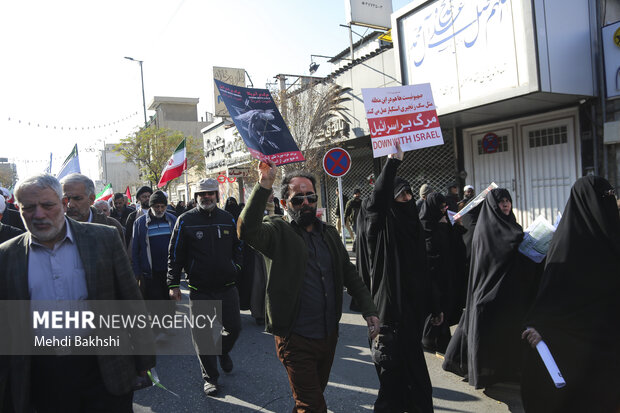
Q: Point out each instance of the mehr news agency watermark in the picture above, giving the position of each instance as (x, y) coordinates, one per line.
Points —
(106, 327)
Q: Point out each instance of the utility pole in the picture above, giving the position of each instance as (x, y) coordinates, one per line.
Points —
(283, 106)
(142, 80)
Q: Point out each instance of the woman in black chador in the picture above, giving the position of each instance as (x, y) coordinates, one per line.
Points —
(577, 310)
(232, 207)
(486, 347)
(391, 244)
(442, 263)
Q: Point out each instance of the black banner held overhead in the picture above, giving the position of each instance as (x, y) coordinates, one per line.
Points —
(260, 124)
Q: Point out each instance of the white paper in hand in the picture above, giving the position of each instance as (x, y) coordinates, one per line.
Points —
(550, 364)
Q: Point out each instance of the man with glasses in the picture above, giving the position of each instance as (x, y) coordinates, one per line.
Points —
(204, 242)
(308, 268)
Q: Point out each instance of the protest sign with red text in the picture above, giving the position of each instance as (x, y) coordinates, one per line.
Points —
(405, 113)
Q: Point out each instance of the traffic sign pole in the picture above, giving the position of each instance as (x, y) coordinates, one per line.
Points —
(336, 164)
(344, 239)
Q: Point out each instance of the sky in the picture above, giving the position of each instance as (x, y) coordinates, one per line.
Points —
(64, 79)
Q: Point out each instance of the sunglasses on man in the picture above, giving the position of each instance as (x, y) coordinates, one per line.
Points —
(299, 199)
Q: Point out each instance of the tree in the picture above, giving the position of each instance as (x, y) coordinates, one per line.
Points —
(8, 175)
(150, 148)
(311, 114)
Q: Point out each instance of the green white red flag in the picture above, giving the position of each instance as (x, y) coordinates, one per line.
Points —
(128, 194)
(175, 166)
(105, 194)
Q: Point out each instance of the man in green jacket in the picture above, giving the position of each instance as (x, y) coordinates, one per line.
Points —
(308, 266)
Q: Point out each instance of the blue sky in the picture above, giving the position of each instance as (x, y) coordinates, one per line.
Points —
(63, 62)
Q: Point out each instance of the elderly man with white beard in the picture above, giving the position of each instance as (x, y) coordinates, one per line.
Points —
(60, 259)
(205, 243)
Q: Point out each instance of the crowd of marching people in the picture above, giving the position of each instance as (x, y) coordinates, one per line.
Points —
(422, 281)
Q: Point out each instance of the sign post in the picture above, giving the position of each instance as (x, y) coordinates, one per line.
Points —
(336, 164)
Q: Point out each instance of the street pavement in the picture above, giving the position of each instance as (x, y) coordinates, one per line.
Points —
(258, 382)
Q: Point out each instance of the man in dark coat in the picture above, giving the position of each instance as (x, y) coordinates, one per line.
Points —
(121, 211)
(6, 231)
(452, 197)
(352, 209)
(89, 264)
(80, 193)
(345, 200)
(395, 271)
(143, 196)
(180, 208)
(204, 243)
(11, 217)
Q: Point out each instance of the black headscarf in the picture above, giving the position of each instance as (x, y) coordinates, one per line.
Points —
(405, 213)
(232, 207)
(391, 246)
(430, 212)
(487, 345)
(577, 310)
(494, 248)
(400, 185)
(582, 273)
(469, 221)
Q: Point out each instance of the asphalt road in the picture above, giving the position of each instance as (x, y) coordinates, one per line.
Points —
(258, 382)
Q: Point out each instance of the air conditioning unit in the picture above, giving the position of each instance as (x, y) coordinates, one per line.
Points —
(611, 132)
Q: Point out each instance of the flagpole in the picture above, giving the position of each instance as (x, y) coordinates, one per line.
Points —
(185, 173)
(186, 187)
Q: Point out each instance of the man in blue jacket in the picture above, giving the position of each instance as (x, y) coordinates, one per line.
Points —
(149, 251)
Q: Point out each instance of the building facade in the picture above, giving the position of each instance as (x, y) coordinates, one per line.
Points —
(520, 92)
(115, 170)
(518, 83)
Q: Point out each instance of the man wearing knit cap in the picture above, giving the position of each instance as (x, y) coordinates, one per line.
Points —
(149, 250)
(205, 243)
(425, 189)
(142, 196)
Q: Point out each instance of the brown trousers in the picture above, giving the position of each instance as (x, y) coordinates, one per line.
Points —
(308, 362)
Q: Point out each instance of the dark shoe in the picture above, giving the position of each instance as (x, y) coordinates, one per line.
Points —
(260, 321)
(226, 363)
(210, 389)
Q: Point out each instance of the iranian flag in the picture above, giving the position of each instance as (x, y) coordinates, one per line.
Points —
(128, 194)
(175, 166)
(105, 194)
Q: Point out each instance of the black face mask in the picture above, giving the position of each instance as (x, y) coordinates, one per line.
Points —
(303, 216)
(404, 206)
